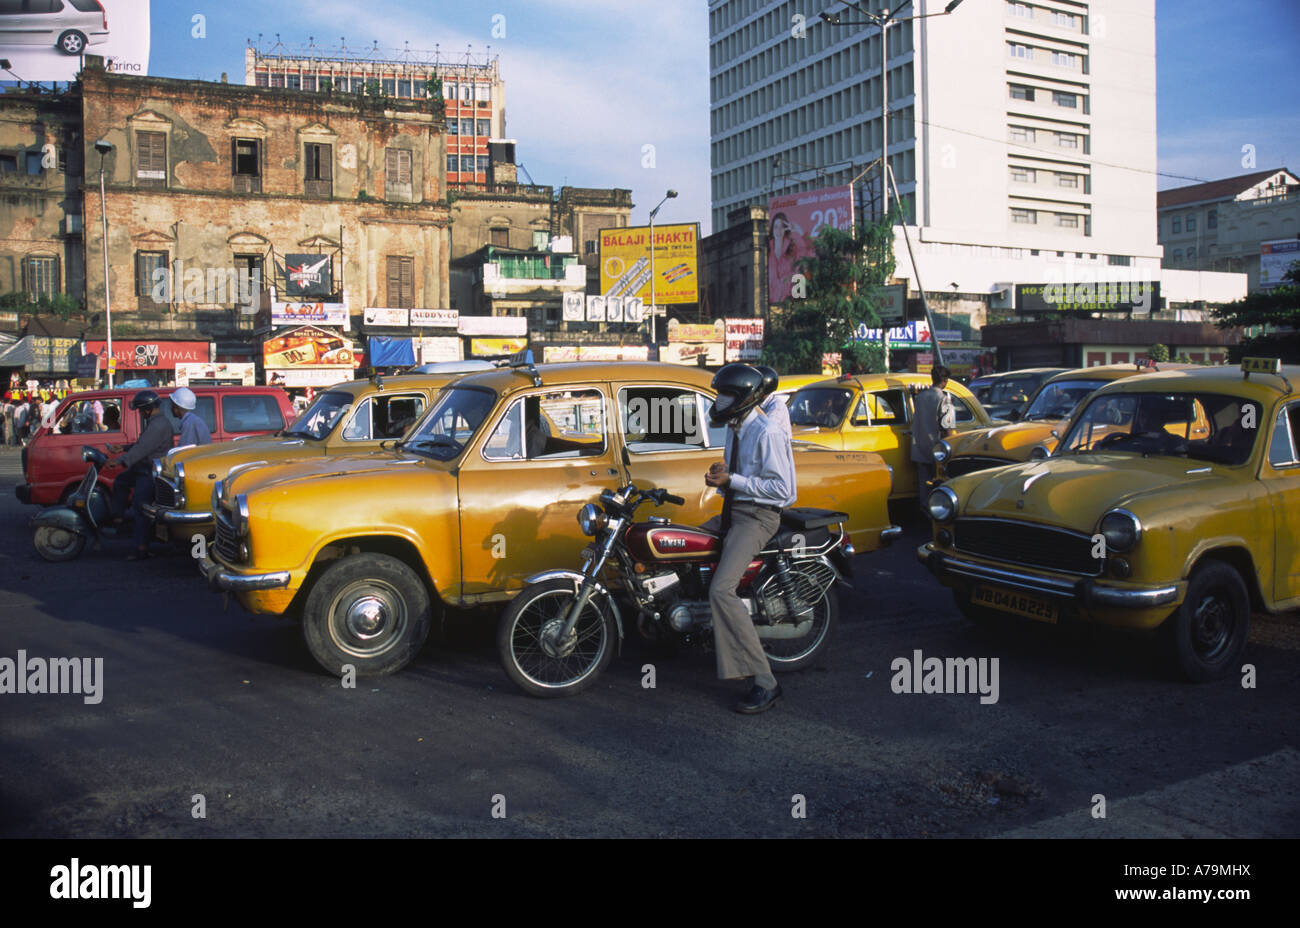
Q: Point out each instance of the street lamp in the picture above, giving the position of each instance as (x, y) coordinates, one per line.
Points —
(671, 194)
(883, 20)
(103, 146)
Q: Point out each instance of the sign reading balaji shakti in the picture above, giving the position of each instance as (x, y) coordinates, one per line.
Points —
(625, 263)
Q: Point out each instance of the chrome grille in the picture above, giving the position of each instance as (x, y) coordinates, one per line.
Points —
(969, 464)
(1027, 544)
(164, 494)
(227, 542)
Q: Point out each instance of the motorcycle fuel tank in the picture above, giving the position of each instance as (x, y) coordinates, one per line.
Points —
(674, 543)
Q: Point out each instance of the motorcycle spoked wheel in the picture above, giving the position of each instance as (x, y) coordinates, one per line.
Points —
(534, 661)
(788, 654)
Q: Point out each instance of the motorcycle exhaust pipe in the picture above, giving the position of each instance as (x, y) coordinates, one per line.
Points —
(784, 631)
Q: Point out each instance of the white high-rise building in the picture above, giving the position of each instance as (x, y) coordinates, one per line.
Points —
(1022, 134)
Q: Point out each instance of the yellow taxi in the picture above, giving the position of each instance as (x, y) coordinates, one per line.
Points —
(483, 493)
(347, 418)
(1172, 503)
(1034, 434)
(873, 412)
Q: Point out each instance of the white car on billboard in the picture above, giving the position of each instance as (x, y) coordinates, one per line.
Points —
(68, 25)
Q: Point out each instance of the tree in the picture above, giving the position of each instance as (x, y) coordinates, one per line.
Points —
(1276, 312)
(1158, 352)
(841, 290)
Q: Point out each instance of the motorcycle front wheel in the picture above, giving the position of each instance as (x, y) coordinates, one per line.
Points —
(536, 660)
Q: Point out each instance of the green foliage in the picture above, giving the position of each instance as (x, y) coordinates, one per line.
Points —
(433, 93)
(1277, 311)
(844, 284)
(1158, 352)
(61, 305)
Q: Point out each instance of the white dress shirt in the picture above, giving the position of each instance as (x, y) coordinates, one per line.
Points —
(763, 471)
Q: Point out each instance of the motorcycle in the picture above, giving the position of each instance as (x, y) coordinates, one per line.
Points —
(61, 531)
(558, 634)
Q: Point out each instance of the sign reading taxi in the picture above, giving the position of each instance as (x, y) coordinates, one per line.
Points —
(625, 263)
(1261, 365)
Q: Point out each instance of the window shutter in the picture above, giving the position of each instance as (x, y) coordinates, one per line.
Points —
(394, 280)
(404, 160)
(408, 282)
(234, 156)
(326, 162)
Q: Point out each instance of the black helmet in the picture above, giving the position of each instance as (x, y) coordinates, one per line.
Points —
(739, 388)
(770, 381)
(145, 399)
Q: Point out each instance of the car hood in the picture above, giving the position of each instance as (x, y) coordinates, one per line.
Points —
(220, 457)
(354, 468)
(1074, 492)
(1014, 440)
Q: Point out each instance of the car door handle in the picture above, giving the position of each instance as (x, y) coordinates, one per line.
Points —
(905, 432)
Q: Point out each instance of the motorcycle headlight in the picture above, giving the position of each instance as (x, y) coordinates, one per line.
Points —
(942, 505)
(1038, 452)
(1121, 529)
(941, 451)
(591, 519)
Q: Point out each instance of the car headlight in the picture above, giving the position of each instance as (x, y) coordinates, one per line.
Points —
(1121, 529)
(591, 519)
(240, 514)
(942, 505)
(1038, 452)
(941, 451)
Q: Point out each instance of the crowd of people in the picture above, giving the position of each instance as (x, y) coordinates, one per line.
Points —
(27, 406)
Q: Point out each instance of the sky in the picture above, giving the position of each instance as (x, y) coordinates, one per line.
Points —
(591, 83)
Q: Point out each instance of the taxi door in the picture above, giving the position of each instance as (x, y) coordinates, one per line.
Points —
(881, 422)
(546, 454)
(1281, 475)
(667, 442)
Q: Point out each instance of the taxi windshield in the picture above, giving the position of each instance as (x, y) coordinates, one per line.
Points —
(1204, 426)
(822, 406)
(448, 426)
(1057, 400)
(1009, 390)
(319, 418)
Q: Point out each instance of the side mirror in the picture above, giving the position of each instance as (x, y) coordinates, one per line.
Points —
(1015, 415)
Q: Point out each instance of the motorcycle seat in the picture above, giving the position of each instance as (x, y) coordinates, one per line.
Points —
(806, 518)
(791, 539)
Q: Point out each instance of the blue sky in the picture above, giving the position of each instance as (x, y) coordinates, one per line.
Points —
(589, 83)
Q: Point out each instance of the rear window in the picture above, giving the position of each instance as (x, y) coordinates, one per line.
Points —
(82, 417)
(257, 413)
(87, 6)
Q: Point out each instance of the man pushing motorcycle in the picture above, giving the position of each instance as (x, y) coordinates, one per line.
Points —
(756, 479)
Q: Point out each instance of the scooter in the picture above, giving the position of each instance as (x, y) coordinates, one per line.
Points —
(61, 531)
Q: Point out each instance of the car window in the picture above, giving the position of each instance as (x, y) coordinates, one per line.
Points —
(1281, 449)
(543, 426)
(258, 413)
(1010, 390)
(961, 408)
(821, 406)
(206, 409)
(661, 419)
(887, 407)
(1204, 426)
(319, 419)
(384, 417)
(87, 416)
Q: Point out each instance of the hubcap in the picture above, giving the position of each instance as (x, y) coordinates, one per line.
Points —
(368, 617)
(550, 640)
(1211, 627)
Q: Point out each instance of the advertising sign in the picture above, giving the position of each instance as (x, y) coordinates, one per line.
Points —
(574, 307)
(1127, 296)
(55, 355)
(490, 347)
(45, 39)
(308, 346)
(239, 374)
(796, 219)
(744, 339)
(691, 352)
(697, 332)
(308, 276)
(558, 354)
(1275, 258)
(894, 311)
(435, 318)
(308, 377)
(137, 355)
(614, 308)
(595, 308)
(625, 263)
(497, 326)
(389, 317)
(915, 334)
(428, 350)
(633, 309)
(299, 313)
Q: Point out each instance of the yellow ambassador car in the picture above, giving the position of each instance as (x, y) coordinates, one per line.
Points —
(483, 493)
(347, 418)
(873, 412)
(1035, 434)
(1172, 503)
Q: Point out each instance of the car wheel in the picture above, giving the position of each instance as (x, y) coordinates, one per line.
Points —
(71, 42)
(1206, 636)
(58, 544)
(369, 611)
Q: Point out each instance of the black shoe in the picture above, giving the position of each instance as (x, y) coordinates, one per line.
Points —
(758, 700)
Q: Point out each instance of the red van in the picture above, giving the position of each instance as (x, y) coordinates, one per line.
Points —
(52, 464)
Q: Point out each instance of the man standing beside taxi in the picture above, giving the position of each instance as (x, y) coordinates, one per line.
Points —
(934, 420)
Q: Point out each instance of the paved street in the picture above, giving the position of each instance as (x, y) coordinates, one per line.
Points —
(201, 701)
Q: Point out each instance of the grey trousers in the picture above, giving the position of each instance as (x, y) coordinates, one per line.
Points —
(925, 472)
(740, 653)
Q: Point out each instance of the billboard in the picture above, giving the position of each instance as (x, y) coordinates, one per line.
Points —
(308, 276)
(1128, 296)
(138, 355)
(199, 375)
(45, 40)
(795, 221)
(316, 313)
(744, 339)
(1275, 258)
(625, 263)
(309, 346)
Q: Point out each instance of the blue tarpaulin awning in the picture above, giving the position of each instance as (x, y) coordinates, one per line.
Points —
(387, 351)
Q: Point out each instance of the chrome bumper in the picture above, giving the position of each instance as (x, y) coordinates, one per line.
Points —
(168, 516)
(219, 578)
(889, 534)
(1086, 590)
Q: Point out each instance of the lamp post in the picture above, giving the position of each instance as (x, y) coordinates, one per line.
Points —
(655, 212)
(104, 146)
(883, 20)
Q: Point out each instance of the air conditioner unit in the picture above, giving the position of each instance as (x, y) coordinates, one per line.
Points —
(72, 224)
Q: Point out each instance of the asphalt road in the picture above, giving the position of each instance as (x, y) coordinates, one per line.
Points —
(201, 702)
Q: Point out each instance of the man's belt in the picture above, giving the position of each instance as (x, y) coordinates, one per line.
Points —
(770, 507)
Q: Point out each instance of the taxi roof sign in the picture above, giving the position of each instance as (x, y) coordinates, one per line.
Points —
(1261, 365)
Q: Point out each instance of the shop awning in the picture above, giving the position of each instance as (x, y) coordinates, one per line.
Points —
(20, 354)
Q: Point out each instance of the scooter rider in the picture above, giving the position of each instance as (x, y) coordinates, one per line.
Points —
(155, 441)
(194, 431)
(757, 479)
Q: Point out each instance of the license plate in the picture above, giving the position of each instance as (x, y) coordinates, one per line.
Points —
(1028, 605)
